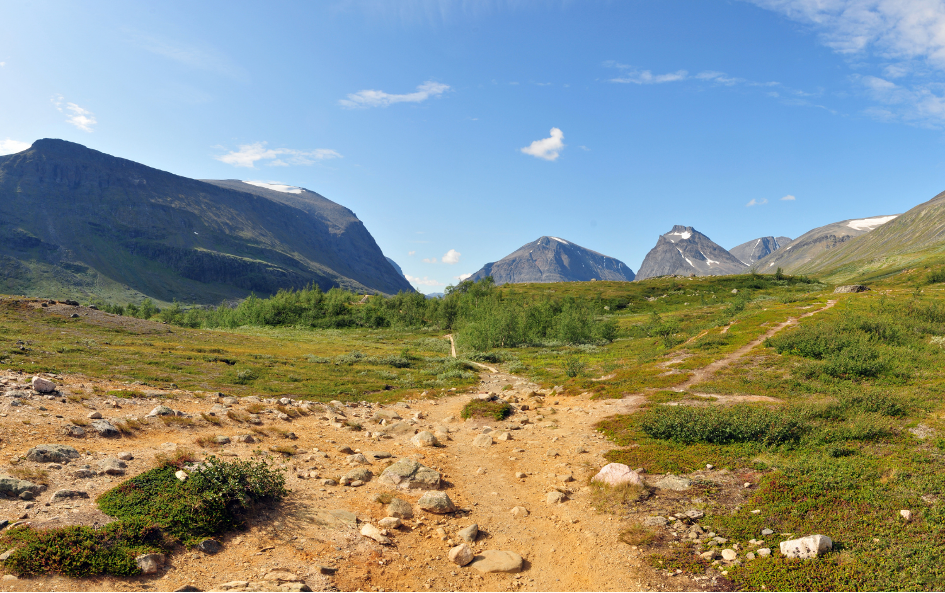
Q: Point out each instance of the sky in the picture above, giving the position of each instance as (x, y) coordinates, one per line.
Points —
(460, 130)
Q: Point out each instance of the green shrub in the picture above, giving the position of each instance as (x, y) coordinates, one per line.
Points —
(573, 366)
(245, 376)
(477, 408)
(716, 425)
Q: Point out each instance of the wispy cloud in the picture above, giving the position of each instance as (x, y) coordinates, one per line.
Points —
(647, 77)
(373, 98)
(451, 257)
(75, 115)
(422, 281)
(547, 148)
(411, 253)
(462, 277)
(429, 260)
(922, 104)
(788, 198)
(197, 56)
(247, 155)
(2, 64)
(12, 146)
(754, 202)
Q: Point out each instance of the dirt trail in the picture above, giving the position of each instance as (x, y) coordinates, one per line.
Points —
(700, 375)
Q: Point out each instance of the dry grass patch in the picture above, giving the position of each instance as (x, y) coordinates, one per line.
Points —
(182, 421)
(178, 458)
(286, 450)
(255, 408)
(31, 474)
(211, 419)
(79, 421)
(616, 499)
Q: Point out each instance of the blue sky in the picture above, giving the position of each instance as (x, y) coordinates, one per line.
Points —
(460, 130)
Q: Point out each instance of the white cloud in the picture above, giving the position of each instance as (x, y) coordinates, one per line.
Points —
(547, 148)
(411, 253)
(374, 98)
(788, 198)
(422, 281)
(249, 154)
(2, 64)
(202, 57)
(429, 260)
(451, 257)
(755, 202)
(77, 116)
(647, 77)
(12, 146)
(462, 277)
(921, 105)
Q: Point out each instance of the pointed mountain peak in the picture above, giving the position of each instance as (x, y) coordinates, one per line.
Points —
(553, 259)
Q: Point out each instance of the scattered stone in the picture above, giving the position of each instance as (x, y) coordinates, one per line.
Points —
(377, 455)
(125, 456)
(285, 401)
(161, 411)
(521, 475)
(806, 547)
(436, 502)
(424, 439)
(656, 521)
(245, 438)
(504, 436)
(552, 453)
(150, 563)
(189, 588)
(729, 554)
(41, 385)
(767, 531)
(105, 428)
(763, 552)
(64, 494)
(83, 472)
(6, 555)
(555, 497)
(112, 466)
(180, 475)
(673, 482)
(283, 416)
(469, 534)
(851, 288)
(497, 561)
(221, 440)
(94, 416)
(390, 522)
(52, 454)
(15, 487)
(694, 514)
(906, 515)
(329, 570)
(73, 431)
(461, 555)
(360, 474)
(616, 474)
(357, 459)
(483, 440)
(368, 530)
(399, 508)
(209, 546)
(407, 473)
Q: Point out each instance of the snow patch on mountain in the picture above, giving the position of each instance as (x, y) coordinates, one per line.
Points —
(868, 224)
(276, 186)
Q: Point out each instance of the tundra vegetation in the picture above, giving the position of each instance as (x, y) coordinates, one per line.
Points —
(845, 429)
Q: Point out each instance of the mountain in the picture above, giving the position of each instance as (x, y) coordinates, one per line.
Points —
(811, 244)
(751, 251)
(396, 267)
(684, 251)
(79, 223)
(550, 259)
(905, 241)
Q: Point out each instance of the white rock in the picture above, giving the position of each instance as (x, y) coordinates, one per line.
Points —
(424, 439)
(763, 552)
(519, 512)
(806, 547)
(461, 555)
(180, 475)
(390, 522)
(555, 497)
(907, 515)
(42, 385)
(150, 563)
(483, 440)
(729, 554)
(615, 474)
(368, 530)
(94, 416)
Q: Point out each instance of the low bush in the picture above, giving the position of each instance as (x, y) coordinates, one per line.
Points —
(717, 425)
(477, 408)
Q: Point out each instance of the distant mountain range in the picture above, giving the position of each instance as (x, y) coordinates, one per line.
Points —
(751, 251)
(684, 251)
(551, 259)
(78, 223)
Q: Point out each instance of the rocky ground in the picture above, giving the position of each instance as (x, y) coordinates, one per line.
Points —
(523, 481)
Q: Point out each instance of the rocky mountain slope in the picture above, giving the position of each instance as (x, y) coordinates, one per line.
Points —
(900, 243)
(550, 259)
(794, 255)
(75, 222)
(684, 251)
(751, 251)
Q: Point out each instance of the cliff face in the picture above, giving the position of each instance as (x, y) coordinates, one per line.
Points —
(684, 251)
(550, 259)
(74, 216)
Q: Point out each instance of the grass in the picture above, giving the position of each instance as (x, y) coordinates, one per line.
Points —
(286, 450)
(182, 421)
(37, 476)
(214, 420)
(79, 421)
(477, 408)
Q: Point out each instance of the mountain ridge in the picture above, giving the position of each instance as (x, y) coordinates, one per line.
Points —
(552, 259)
(684, 251)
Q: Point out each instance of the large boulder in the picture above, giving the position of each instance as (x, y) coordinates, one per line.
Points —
(806, 547)
(407, 473)
(105, 428)
(41, 385)
(617, 474)
(15, 487)
(52, 454)
(497, 561)
(436, 502)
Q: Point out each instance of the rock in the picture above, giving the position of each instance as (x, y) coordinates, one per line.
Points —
(552, 453)
(390, 522)
(555, 497)
(64, 494)
(94, 416)
(906, 515)
(694, 514)
(399, 508)
(424, 439)
(520, 475)
(497, 561)
(112, 466)
(368, 530)
(763, 552)
(285, 401)
(125, 456)
(161, 411)
(519, 512)
(436, 502)
(729, 554)
(469, 534)
(504, 436)
(672, 482)
(616, 474)
(461, 555)
(655, 521)
(245, 438)
(149, 563)
(209, 546)
(189, 588)
(221, 440)
(52, 454)
(180, 475)
(767, 531)
(360, 475)
(851, 288)
(407, 473)
(73, 431)
(41, 385)
(483, 440)
(15, 487)
(377, 455)
(357, 459)
(282, 576)
(105, 428)
(806, 547)
(385, 415)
